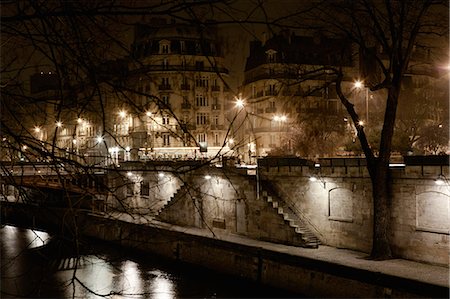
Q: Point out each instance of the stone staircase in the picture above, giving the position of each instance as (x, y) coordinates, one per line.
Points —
(158, 206)
(306, 235)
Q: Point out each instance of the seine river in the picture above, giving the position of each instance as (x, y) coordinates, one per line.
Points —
(37, 265)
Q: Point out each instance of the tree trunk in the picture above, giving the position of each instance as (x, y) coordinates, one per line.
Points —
(381, 213)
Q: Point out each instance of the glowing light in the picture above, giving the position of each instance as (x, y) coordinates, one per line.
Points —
(24, 147)
(129, 173)
(37, 129)
(122, 113)
(59, 124)
(74, 141)
(207, 177)
(127, 148)
(313, 179)
(231, 141)
(440, 126)
(161, 175)
(79, 120)
(361, 123)
(148, 113)
(358, 84)
(99, 139)
(240, 103)
(440, 180)
(280, 118)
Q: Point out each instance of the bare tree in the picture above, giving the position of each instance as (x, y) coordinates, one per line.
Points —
(388, 35)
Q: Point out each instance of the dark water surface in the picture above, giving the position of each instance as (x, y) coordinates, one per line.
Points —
(36, 265)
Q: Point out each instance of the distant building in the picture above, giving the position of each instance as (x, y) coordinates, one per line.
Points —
(167, 100)
(282, 83)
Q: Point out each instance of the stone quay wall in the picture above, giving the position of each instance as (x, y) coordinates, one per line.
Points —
(338, 204)
(336, 207)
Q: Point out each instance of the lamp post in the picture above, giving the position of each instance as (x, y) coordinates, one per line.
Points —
(360, 85)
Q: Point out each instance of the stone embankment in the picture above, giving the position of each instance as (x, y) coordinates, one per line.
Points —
(321, 272)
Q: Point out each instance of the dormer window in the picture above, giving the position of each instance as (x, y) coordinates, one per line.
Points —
(271, 56)
(164, 47)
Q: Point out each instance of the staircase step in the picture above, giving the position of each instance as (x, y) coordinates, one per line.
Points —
(269, 198)
(280, 210)
(275, 204)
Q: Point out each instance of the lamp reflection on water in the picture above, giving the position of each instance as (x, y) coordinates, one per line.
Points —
(131, 278)
(161, 286)
(37, 238)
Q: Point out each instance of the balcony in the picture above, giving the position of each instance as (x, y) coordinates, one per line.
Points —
(164, 87)
(215, 107)
(271, 110)
(181, 67)
(217, 127)
(187, 127)
(270, 92)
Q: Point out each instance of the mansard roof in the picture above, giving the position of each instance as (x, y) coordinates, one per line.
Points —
(293, 49)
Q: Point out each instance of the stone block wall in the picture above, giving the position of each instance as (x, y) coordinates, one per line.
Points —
(338, 205)
(227, 202)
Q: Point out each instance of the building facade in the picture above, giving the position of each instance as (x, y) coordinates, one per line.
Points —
(285, 83)
(167, 100)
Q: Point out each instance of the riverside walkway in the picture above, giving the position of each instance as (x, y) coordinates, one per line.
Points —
(400, 271)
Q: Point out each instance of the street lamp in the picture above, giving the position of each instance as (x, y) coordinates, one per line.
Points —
(240, 103)
(360, 85)
(122, 113)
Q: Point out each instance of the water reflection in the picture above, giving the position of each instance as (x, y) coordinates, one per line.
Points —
(32, 266)
(161, 287)
(36, 238)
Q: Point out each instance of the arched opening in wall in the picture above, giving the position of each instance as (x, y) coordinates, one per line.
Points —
(432, 212)
(340, 204)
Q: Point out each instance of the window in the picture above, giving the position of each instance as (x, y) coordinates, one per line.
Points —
(202, 118)
(166, 139)
(202, 101)
(201, 137)
(271, 56)
(182, 46)
(165, 64)
(165, 119)
(202, 81)
(216, 139)
(164, 47)
(272, 104)
(216, 120)
(165, 100)
(145, 188)
(272, 89)
(165, 81)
